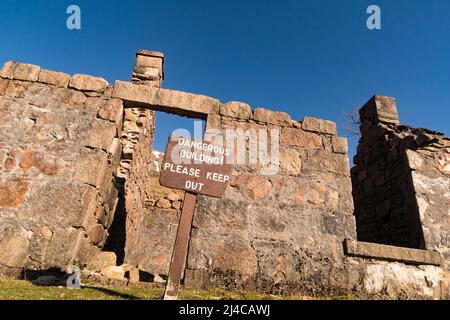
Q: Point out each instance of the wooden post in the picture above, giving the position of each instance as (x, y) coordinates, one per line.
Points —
(180, 249)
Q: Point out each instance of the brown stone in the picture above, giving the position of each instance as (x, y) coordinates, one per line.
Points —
(20, 71)
(58, 79)
(176, 205)
(380, 109)
(163, 203)
(13, 192)
(254, 187)
(102, 260)
(339, 144)
(101, 135)
(272, 117)
(4, 83)
(146, 73)
(46, 164)
(234, 109)
(299, 138)
(112, 110)
(27, 160)
(319, 125)
(171, 101)
(84, 82)
(290, 161)
(114, 272)
(172, 196)
(96, 233)
(392, 253)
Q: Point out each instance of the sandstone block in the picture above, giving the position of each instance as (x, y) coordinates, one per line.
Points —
(290, 161)
(96, 234)
(339, 144)
(234, 109)
(4, 83)
(171, 101)
(172, 196)
(101, 135)
(58, 79)
(319, 125)
(176, 205)
(272, 117)
(84, 82)
(149, 61)
(112, 110)
(392, 253)
(20, 71)
(146, 73)
(380, 109)
(101, 260)
(163, 203)
(253, 186)
(321, 160)
(13, 191)
(114, 272)
(299, 138)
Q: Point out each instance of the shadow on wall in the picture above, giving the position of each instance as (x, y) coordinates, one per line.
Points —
(117, 231)
(386, 208)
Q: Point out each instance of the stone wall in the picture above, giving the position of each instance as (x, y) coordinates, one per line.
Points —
(77, 170)
(279, 232)
(59, 150)
(401, 183)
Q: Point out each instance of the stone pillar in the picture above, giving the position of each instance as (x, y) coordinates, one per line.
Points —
(379, 109)
(137, 139)
(149, 68)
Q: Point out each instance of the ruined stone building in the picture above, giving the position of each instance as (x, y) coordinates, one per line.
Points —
(78, 176)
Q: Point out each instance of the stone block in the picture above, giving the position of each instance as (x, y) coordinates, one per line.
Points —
(290, 161)
(321, 160)
(299, 138)
(58, 79)
(112, 110)
(101, 260)
(13, 191)
(339, 144)
(253, 186)
(20, 71)
(272, 117)
(380, 109)
(85, 82)
(146, 73)
(391, 253)
(319, 125)
(114, 272)
(171, 101)
(235, 109)
(101, 135)
(4, 83)
(163, 203)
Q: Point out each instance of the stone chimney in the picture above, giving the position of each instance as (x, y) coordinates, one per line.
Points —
(379, 109)
(149, 68)
(139, 123)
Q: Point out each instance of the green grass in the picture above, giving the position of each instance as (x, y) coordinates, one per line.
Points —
(25, 290)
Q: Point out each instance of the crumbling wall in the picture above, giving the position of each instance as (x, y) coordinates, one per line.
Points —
(401, 181)
(59, 151)
(277, 231)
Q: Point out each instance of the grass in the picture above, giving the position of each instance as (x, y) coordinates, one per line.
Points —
(25, 290)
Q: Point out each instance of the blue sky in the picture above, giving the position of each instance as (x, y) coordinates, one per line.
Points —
(311, 57)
